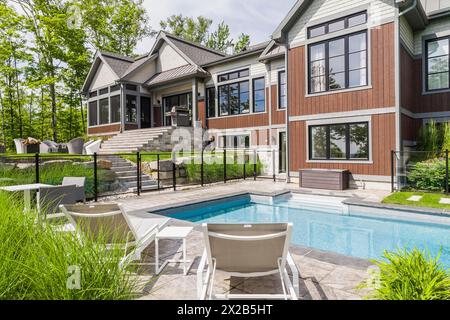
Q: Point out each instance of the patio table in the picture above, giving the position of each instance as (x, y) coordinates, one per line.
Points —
(26, 188)
(173, 233)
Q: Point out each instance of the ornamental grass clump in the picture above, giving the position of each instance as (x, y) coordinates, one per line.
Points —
(409, 275)
(39, 263)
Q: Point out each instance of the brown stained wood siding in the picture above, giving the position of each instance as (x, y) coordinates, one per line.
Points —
(381, 95)
(242, 121)
(383, 141)
(202, 113)
(158, 116)
(278, 117)
(412, 98)
(410, 128)
(104, 129)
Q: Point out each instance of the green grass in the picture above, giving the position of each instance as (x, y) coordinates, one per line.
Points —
(36, 261)
(429, 200)
(54, 173)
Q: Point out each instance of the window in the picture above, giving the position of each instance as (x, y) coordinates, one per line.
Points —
(104, 111)
(93, 121)
(234, 75)
(115, 109)
(92, 94)
(438, 64)
(339, 142)
(131, 109)
(234, 142)
(131, 87)
(259, 95)
(114, 88)
(211, 102)
(338, 63)
(337, 25)
(103, 91)
(234, 99)
(282, 102)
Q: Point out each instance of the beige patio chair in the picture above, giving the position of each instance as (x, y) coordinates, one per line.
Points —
(79, 182)
(75, 146)
(247, 251)
(110, 223)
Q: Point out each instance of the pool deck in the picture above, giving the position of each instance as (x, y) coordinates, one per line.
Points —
(323, 275)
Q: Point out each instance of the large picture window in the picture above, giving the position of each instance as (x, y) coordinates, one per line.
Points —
(234, 99)
(282, 101)
(348, 141)
(259, 95)
(438, 64)
(234, 142)
(338, 64)
(211, 102)
(337, 25)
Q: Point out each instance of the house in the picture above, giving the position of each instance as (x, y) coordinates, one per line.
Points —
(340, 84)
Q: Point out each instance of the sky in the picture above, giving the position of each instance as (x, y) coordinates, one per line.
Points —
(258, 18)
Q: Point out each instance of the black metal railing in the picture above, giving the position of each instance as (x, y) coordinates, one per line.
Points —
(140, 172)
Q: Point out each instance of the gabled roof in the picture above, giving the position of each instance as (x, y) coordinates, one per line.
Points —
(199, 54)
(175, 74)
(299, 7)
(252, 50)
(272, 51)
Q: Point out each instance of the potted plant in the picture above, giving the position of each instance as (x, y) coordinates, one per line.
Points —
(31, 145)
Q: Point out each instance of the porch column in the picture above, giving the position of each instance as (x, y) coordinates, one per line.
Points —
(123, 103)
(194, 101)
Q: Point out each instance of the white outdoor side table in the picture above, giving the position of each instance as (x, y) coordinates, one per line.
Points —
(26, 188)
(173, 233)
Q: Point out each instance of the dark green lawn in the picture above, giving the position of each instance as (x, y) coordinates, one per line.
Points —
(429, 200)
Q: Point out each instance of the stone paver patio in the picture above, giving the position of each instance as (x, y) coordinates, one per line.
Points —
(323, 275)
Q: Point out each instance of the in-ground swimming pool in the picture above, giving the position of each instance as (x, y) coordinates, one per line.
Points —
(323, 223)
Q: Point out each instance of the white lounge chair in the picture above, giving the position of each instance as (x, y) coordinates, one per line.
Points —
(110, 222)
(93, 147)
(247, 251)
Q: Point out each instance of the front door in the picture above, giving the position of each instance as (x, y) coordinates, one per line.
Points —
(146, 113)
(282, 145)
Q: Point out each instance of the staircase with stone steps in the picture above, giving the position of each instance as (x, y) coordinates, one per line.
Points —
(126, 172)
(154, 139)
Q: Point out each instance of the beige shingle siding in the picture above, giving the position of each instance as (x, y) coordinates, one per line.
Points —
(433, 6)
(379, 11)
(103, 77)
(169, 59)
(407, 34)
(439, 27)
(276, 66)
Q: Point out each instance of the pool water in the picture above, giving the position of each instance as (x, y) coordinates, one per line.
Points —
(323, 226)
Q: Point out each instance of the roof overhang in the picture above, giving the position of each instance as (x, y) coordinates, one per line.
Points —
(297, 10)
(243, 54)
(98, 60)
(414, 13)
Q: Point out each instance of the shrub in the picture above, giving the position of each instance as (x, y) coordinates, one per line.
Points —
(428, 175)
(430, 138)
(446, 137)
(409, 275)
(35, 261)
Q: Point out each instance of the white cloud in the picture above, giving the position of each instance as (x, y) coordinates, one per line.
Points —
(258, 18)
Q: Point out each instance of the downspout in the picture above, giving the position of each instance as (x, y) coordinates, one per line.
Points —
(288, 135)
(398, 107)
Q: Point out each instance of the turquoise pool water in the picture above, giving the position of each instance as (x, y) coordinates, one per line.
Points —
(327, 229)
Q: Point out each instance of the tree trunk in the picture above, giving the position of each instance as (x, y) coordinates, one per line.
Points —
(19, 104)
(82, 114)
(53, 97)
(3, 120)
